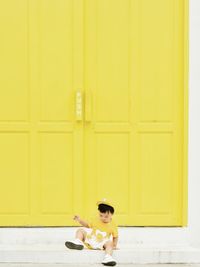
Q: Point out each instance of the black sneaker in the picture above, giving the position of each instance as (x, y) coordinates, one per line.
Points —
(74, 245)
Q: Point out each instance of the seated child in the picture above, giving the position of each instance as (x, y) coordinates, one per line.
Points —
(100, 233)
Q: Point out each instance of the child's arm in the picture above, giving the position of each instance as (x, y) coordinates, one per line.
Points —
(82, 222)
(115, 240)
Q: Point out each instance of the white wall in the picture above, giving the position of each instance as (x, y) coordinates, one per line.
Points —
(194, 123)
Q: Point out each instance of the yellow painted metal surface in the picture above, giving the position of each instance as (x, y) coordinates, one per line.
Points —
(93, 104)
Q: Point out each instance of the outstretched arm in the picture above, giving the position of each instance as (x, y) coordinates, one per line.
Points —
(82, 222)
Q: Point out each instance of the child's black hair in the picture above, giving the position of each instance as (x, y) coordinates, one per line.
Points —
(106, 208)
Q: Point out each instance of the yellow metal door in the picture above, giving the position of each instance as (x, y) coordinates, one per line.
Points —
(40, 140)
(128, 58)
(136, 76)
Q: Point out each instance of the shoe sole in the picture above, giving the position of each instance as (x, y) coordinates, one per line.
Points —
(71, 245)
(111, 263)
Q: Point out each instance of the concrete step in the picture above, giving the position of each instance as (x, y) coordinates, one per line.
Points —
(134, 235)
(127, 254)
(136, 245)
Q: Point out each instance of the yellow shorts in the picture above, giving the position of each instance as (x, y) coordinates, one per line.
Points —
(92, 241)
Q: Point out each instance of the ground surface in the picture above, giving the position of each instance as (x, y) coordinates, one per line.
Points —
(94, 265)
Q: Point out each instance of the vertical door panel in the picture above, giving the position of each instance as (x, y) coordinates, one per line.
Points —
(54, 117)
(14, 113)
(41, 143)
(134, 71)
(159, 114)
(107, 77)
(14, 61)
(58, 137)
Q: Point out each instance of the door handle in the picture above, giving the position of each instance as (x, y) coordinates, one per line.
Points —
(79, 105)
(88, 105)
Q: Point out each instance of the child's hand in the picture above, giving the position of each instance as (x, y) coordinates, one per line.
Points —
(76, 218)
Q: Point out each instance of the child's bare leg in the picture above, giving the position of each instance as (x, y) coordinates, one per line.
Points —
(108, 247)
(80, 234)
(78, 242)
(108, 259)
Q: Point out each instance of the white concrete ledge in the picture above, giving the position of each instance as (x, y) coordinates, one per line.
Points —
(127, 254)
(132, 235)
(136, 245)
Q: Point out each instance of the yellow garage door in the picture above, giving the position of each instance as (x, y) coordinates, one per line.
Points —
(93, 104)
